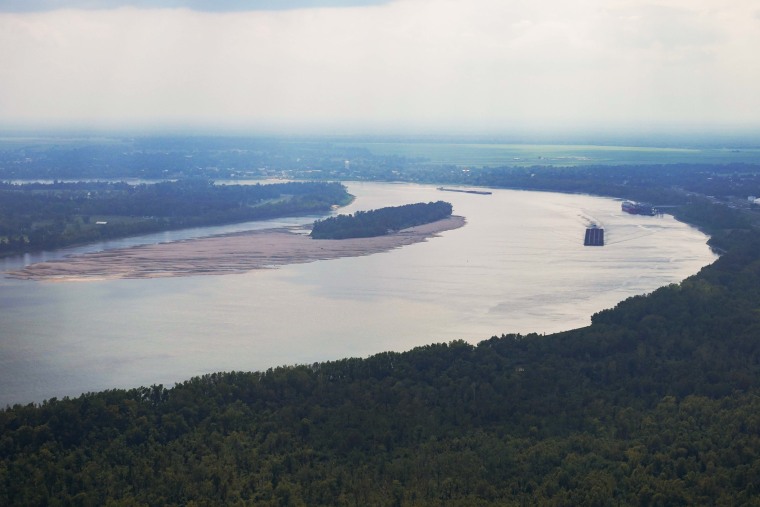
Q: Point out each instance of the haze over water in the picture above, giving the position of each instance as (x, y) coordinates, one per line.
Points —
(519, 265)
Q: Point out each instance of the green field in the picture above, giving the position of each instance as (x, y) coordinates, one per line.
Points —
(474, 154)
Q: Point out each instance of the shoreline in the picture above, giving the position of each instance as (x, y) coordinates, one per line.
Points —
(233, 253)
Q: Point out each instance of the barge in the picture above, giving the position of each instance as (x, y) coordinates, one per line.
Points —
(638, 208)
(464, 191)
(594, 236)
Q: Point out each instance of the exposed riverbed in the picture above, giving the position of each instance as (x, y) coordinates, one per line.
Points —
(224, 254)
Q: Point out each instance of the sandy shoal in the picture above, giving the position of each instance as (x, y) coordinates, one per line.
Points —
(223, 254)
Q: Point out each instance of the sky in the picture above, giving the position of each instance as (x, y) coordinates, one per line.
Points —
(363, 66)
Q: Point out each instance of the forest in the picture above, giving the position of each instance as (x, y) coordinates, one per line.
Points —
(40, 216)
(379, 222)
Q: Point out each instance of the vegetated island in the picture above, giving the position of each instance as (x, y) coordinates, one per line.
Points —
(225, 254)
(379, 222)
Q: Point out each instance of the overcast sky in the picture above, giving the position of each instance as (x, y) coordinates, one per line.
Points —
(355, 66)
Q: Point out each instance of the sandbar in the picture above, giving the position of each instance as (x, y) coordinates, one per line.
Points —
(223, 254)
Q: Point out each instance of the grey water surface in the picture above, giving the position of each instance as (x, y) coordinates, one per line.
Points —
(519, 265)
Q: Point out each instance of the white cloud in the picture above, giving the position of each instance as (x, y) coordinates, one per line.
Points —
(199, 5)
(483, 64)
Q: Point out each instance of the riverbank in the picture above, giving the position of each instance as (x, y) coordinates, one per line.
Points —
(224, 254)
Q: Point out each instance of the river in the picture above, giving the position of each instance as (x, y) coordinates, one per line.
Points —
(519, 265)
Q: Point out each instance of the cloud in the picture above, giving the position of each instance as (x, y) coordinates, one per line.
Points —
(198, 5)
(663, 27)
(442, 64)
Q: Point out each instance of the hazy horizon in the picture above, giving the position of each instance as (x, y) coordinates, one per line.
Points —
(726, 139)
(340, 67)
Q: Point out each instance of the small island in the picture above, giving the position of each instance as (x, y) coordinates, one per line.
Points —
(380, 222)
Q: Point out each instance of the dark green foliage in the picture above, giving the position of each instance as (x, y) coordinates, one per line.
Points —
(37, 216)
(379, 222)
(655, 403)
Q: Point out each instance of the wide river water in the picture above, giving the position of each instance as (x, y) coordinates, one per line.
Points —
(519, 265)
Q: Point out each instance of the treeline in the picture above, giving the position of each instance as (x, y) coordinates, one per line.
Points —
(171, 157)
(221, 158)
(666, 184)
(39, 216)
(365, 224)
(239, 157)
(657, 402)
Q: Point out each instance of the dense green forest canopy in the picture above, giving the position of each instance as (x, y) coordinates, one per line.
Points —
(38, 216)
(379, 222)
